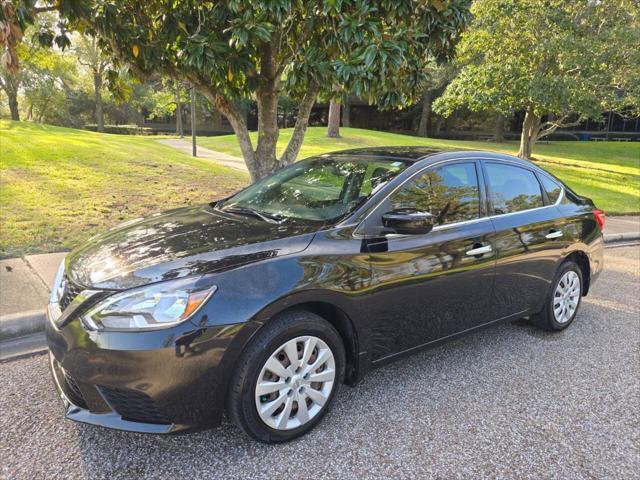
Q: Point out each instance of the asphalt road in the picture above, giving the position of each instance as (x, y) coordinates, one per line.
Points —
(509, 402)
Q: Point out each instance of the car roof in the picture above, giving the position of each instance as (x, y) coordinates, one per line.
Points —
(396, 153)
(426, 155)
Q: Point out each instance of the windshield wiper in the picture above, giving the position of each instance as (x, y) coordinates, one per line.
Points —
(250, 211)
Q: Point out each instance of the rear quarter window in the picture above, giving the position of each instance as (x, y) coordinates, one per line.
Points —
(552, 188)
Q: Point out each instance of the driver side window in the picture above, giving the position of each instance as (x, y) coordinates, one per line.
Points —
(450, 193)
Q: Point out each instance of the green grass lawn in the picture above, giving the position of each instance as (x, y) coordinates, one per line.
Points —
(607, 172)
(59, 186)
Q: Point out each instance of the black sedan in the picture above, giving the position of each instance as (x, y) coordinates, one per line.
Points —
(263, 303)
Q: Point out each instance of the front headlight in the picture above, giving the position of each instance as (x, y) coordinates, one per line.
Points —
(57, 289)
(155, 306)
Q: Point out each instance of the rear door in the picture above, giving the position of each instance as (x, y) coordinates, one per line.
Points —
(529, 238)
(428, 286)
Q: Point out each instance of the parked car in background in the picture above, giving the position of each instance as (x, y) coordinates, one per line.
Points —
(263, 303)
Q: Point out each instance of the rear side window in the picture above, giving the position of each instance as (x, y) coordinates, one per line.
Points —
(450, 193)
(552, 188)
(512, 189)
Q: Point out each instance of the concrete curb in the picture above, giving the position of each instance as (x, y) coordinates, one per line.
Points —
(621, 237)
(21, 347)
(20, 324)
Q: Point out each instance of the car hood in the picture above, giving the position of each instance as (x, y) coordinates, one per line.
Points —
(177, 243)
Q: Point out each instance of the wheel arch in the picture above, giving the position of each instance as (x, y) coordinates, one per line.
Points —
(582, 260)
(330, 310)
(343, 324)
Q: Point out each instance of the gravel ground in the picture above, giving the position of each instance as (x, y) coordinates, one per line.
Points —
(509, 402)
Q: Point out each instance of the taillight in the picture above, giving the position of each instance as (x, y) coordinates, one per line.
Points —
(599, 214)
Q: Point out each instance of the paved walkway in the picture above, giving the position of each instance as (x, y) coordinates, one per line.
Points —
(626, 224)
(24, 292)
(185, 147)
(25, 282)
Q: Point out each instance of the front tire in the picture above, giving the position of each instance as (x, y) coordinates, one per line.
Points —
(286, 380)
(561, 307)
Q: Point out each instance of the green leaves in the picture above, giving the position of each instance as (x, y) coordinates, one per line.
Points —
(550, 55)
(379, 48)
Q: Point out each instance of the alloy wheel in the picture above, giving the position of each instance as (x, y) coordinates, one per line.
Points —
(566, 297)
(295, 383)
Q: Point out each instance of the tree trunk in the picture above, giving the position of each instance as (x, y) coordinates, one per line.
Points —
(13, 105)
(333, 129)
(425, 115)
(530, 130)
(499, 128)
(10, 84)
(97, 86)
(346, 113)
(179, 126)
(267, 100)
(302, 122)
(235, 118)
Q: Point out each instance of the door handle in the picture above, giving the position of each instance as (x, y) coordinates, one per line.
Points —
(479, 251)
(553, 234)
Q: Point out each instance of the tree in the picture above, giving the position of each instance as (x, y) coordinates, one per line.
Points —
(49, 80)
(16, 51)
(560, 62)
(333, 120)
(49, 83)
(10, 84)
(346, 111)
(178, 102)
(90, 56)
(165, 97)
(499, 128)
(262, 48)
(437, 77)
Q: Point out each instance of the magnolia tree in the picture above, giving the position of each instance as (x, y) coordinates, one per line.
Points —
(553, 59)
(263, 49)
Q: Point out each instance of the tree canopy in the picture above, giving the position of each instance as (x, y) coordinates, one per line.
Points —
(264, 48)
(565, 61)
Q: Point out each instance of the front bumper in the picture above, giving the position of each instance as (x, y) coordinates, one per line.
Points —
(107, 419)
(151, 382)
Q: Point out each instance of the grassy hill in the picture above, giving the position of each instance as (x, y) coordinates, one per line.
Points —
(608, 172)
(58, 186)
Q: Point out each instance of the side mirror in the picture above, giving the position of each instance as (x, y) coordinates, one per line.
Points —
(408, 222)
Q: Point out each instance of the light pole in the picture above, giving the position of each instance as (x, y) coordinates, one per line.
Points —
(193, 121)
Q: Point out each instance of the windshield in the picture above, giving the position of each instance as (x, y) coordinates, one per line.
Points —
(321, 189)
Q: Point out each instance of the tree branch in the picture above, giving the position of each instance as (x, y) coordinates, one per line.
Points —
(141, 74)
(547, 128)
(302, 122)
(295, 46)
(235, 118)
(50, 8)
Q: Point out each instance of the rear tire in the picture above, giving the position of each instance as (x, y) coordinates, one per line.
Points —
(563, 301)
(287, 378)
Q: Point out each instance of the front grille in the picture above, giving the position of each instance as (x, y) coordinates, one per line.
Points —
(73, 391)
(133, 405)
(71, 291)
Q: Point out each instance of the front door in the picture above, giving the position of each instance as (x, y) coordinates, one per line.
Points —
(428, 286)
